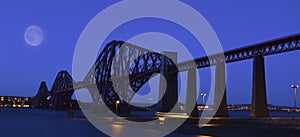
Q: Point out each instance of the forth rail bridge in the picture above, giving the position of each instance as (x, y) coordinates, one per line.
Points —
(142, 64)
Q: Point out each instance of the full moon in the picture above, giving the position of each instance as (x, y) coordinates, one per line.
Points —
(34, 36)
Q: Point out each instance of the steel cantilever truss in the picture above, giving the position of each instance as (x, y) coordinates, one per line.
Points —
(62, 91)
(122, 69)
(40, 99)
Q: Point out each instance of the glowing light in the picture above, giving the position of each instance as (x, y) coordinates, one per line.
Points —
(117, 103)
(181, 107)
(294, 86)
(203, 136)
(161, 120)
(172, 115)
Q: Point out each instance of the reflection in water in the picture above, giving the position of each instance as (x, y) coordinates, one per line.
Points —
(117, 130)
(208, 125)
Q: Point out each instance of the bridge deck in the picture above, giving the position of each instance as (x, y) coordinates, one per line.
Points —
(276, 46)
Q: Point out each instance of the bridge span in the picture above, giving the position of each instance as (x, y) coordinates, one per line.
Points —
(142, 64)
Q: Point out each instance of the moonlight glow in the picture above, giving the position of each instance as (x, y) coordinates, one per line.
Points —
(34, 36)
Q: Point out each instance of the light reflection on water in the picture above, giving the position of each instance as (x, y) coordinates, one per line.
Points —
(117, 129)
(237, 114)
(276, 119)
(245, 114)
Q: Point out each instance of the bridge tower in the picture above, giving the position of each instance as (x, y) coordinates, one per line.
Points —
(61, 91)
(169, 90)
(40, 99)
(259, 98)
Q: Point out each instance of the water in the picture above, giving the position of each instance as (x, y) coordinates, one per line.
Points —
(280, 124)
(245, 114)
(47, 123)
(235, 114)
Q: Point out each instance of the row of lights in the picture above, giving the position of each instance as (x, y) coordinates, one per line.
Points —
(151, 99)
(203, 96)
(14, 99)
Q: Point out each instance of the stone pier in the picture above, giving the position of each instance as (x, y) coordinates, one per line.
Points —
(169, 90)
(191, 93)
(220, 91)
(259, 98)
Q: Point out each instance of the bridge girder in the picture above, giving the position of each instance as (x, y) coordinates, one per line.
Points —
(276, 46)
(122, 69)
(119, 57)
(61, 91)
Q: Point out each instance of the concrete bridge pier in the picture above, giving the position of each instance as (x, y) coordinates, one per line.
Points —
(169, 90)
(259, 99)
(220, 91)
(191, 93)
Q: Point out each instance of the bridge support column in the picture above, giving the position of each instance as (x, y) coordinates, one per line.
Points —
(191, 93)
(169, 90)
(259, 99)
(220, 91)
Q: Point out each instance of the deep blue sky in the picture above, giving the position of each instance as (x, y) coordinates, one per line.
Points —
(237, 24)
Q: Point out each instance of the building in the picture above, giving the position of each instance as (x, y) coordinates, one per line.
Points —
(15, 102)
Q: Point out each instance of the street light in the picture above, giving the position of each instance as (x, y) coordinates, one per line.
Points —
(117, 103)
(150, 102)
(203, 95)
(295, 93)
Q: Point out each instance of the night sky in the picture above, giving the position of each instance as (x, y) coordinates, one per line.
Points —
(236, 23)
